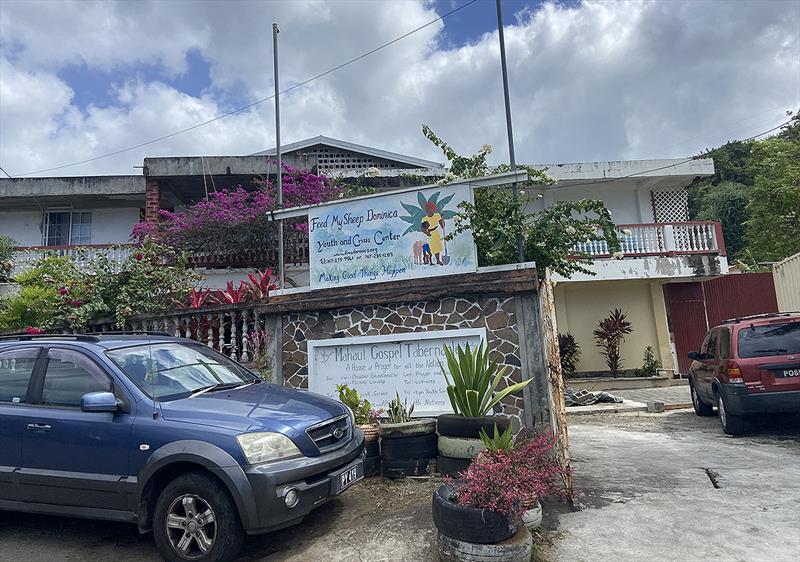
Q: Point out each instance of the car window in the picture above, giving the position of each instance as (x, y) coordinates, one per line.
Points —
(724, 343)
(69, 376)
(704, 347)
(168, 370)
(770, 340)
(16, 368)
(711, 347)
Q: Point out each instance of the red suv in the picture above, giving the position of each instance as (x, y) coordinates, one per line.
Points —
(748, 365)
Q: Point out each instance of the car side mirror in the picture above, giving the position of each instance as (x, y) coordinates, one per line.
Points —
(99, 402)
(695, 356)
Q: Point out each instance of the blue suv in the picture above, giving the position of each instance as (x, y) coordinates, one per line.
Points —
(168, 434)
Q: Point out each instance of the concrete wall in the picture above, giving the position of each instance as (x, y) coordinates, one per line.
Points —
(627, 202)
(109, 225)
(787, 283)
(580, 306)
(653, 267)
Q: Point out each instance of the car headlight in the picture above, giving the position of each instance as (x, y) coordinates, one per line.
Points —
(267, 447)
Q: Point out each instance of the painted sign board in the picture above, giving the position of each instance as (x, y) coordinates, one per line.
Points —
(379, 366)
(389, 238)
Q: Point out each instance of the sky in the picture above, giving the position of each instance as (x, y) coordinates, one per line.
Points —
(590, 80)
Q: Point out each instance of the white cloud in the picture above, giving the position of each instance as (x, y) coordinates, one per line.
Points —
(602, 80)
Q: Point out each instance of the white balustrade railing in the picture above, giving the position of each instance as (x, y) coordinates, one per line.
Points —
(661, 239)
(25, 257)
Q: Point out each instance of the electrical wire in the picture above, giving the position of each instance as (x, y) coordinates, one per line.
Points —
(255, 103)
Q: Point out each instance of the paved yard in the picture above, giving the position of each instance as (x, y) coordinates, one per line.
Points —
(646, 492)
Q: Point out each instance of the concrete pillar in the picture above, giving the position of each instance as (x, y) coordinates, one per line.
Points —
(152, 200)
(662, 325)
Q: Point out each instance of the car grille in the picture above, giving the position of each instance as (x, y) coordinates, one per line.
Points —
(324, 434)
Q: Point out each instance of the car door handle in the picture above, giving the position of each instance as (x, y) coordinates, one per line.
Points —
(38, 427)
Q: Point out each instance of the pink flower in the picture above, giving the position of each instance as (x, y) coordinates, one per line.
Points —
(138, 257)
(63, 291)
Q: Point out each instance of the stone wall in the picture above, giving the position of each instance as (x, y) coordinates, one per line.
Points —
(498, 315)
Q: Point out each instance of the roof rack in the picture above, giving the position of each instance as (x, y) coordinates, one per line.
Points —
(95, 337)
(759, 316)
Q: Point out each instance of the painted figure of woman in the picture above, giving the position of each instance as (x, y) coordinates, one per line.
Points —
(432, 226)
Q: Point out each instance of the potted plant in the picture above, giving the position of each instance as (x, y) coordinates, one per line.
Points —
(483, 512)
(407, 445)
(366, 419)
(472, 383)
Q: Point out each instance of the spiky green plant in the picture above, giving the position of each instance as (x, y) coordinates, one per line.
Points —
(399, 412)
(499, 441)
(473, 389)
(417, 213)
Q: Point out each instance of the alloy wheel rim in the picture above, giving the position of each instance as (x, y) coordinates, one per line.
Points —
(694, 398)
(191, 526)
(722, 411)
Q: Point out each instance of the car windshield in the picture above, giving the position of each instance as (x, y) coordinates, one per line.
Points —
(170, 370)
(774, 339)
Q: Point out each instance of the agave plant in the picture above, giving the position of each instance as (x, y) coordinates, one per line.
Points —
(399, 412)
(499, 441)
(473, 389)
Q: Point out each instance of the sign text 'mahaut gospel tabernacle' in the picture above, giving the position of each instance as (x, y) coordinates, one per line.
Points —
(389, 238)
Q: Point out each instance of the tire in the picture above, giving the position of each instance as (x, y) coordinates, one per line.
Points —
(460, 447)
(421, 426)
(731, 423)
(518, 548)
(700, 408)
(186, 499)
(409, 448)
(451, 467)
(372, 466)
(532, 518)
(462, 426)
(469, 524)
(373, 449)
(399, 469)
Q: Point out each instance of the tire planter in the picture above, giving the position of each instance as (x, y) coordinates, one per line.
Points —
(372, 466)
(452, 425)
(373, 449)
(469, 524)
(517, 548)
(532, 518)
(399, 469)
(409, 448)
(460, 447)
(407, 429)
(451, 467)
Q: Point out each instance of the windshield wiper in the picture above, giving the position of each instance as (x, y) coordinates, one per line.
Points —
(213, 387)
(777, 350)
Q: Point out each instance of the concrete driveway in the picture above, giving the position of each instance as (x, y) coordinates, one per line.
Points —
(651, 487)
(674, 487)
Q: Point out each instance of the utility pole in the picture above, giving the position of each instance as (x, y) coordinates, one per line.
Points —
(512, 159)
(281, 266)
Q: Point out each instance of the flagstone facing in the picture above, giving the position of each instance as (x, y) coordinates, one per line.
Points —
(497, 314)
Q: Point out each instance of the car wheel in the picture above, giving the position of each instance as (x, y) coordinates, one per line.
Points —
(196, 520)
(700, 408)
(731, 424)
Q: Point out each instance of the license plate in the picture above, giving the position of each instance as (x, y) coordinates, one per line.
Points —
(788, 372)
(342, 480)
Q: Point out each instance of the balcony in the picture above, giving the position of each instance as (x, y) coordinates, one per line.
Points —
(658, 250)
(25, 257)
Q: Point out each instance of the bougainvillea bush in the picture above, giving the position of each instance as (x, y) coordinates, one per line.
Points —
(236, 219)
(504, 481)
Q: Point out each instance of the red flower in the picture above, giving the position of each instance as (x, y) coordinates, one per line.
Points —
(32, 330)
(139, 257)
(77, 303)
(63, 291)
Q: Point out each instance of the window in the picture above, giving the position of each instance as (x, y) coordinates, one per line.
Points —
(724, 343)
(711, 351)
(63, 228)
(69, 376)
(770, 340)
(16, 368)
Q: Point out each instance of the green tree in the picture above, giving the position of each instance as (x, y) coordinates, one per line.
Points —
(726, 202)
(773, 229)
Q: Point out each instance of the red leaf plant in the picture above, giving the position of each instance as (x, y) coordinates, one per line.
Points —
(505, 481)
(261, 283)
(235, 295)
(197, 299)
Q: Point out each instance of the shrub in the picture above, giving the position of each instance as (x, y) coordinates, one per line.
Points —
(7, 246)
(609, 335)
(570, 352)
(504, 481)
(650, 365)
(473, 390)
(360, 407)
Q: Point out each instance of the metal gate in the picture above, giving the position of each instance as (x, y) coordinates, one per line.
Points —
(695, 307)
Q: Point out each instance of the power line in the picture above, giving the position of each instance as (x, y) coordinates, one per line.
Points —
(228, 114)
(607, 180)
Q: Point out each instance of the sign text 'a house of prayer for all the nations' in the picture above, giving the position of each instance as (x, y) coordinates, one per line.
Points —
(388, 238)
(380, 366)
